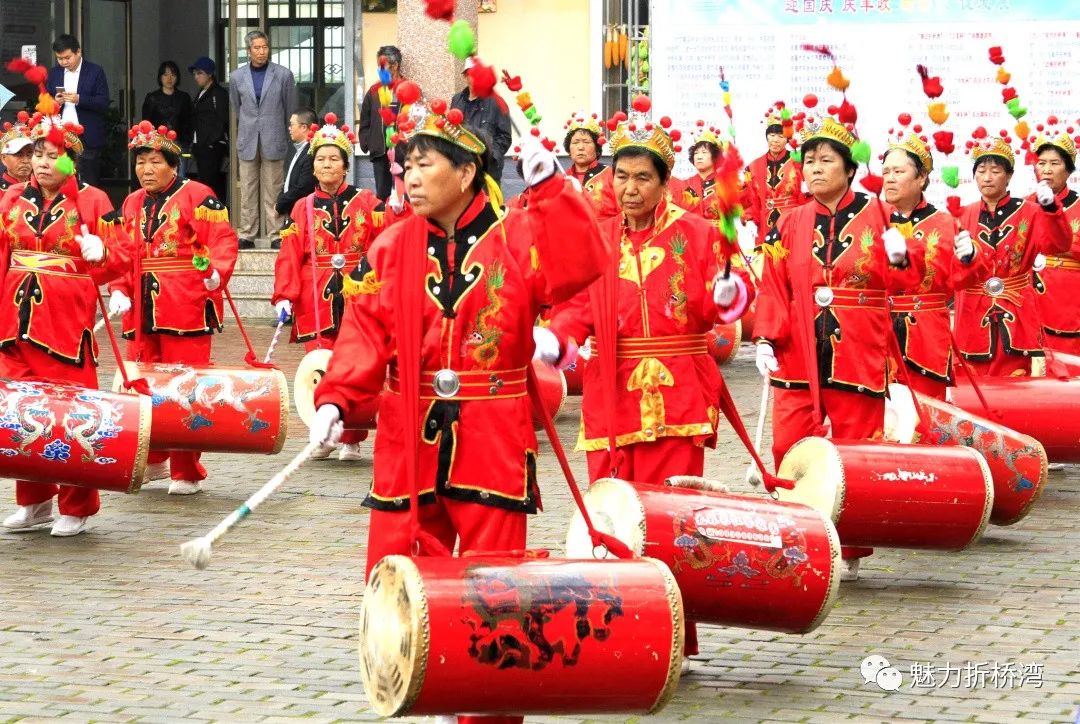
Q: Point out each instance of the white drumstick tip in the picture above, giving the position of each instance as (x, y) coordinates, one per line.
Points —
(197, 552)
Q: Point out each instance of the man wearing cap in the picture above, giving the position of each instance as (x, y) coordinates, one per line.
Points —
(484, 114)
(210, 146)
(16, 152)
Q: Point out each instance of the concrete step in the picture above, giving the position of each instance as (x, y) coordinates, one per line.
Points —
(252, 306)
(260, 260)
(258, 283)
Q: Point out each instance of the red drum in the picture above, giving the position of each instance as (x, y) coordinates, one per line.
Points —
(739, 561)
(1017, 462)
(1045, 408)
(1070, 362)
(723, 341)
(552, 387)
(73, 436)
(575, 377)
(892, 496)
(489, 635)
(214, 409)
(748, 322)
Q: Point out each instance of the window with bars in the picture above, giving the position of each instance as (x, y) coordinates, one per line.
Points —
(306, 36)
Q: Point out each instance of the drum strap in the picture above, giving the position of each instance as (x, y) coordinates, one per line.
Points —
(959, 357)
(140, 385)
(249, 356)
(731, 412)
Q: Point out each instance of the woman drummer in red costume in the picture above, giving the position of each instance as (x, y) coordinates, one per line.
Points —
(59, 239)
(345, 223)
(998, 326)
(696, 193)
(187, 252)
(946, 261)
(822, 328)
(773, 181)
(583, 142)
(1057, 275)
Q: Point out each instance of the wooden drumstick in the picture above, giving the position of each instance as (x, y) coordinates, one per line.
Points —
(274, 340)
(753, 475)
(197, 552)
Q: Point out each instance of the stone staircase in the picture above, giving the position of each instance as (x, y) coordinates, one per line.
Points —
(252, 283)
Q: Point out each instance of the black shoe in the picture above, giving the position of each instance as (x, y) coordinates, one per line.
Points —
(247, 244)
(275, 244)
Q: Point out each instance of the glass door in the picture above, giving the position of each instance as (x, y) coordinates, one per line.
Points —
(106, 40)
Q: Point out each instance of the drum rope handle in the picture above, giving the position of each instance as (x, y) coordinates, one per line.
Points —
(759, 433)
(991, 414)
(599, 539)
(140, 385)
(197, 551)
(731, 412)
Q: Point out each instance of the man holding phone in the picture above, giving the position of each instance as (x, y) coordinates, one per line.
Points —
(82, 91)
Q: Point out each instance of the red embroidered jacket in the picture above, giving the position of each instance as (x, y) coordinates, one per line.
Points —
(165, 228)
(598, 183)
(822, 298)
(345, 225)
(773, 187)
(1056, 283)
(50, 294)
(697, 195)
(659, 293)
(1005, 307)
(480, 295)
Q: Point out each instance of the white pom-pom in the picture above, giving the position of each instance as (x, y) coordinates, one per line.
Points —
(197, 552)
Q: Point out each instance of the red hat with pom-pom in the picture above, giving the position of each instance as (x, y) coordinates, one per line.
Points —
(435, 120)
(55, 131)
(330, 134)
(908, 139)
(638, 131)
(1051, 134)
(144, 135)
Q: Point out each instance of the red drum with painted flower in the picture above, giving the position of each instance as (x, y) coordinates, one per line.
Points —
(739, 561)
(723, 341)
(892, 496)
(1017, 462)
(500, 635)
(214, 409)
(70, 435)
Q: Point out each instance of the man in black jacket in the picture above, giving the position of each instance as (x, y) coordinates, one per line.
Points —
(372, 132)
(210, 116)
(299, 166)
(484, 114)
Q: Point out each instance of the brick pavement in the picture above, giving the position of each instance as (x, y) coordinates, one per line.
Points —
(113, 626)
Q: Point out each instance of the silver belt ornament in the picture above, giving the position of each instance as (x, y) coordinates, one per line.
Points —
(446, 383)
(1039, 264)
(823, 296)
(994, 286)
(337, 261)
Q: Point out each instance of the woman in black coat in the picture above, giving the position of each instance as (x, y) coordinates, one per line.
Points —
(169, 106)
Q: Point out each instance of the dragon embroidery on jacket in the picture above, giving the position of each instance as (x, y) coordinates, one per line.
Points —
(933, 242)
(860, 277)
(486, 335)
(676, 306)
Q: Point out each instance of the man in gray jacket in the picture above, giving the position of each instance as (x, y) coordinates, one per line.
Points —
(264, 96)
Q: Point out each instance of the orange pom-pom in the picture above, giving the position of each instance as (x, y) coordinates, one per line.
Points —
(837, 80)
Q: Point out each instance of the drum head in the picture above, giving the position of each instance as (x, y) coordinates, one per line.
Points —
(814, 464)
(308, 374)
(394, 636)
(614, 508)
(900, 415)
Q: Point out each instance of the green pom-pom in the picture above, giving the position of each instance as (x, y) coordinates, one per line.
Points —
(727, 228)
(1012, 103)
(785, 114)
(202, 263)
(1017, 111)
(860, 152)
(796, 156)
(65, 165)
(951, 176)
(461, 40)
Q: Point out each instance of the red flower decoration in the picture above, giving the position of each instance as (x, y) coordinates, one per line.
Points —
(952, 203)
(440, 9)
(642, 104)
(512, 83)
(996, 56)
(931, 85)
(904, 119)
(1007, 94)
(943, 141)
(408, 92)
(455, 116)
(483, 78)
(809, 100)
(847, 113)
(438, 107)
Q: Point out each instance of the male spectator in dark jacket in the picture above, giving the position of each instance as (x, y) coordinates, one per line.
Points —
(210, 146)
(299, 166)
(484, 114)
(372, 132)
(82, 91)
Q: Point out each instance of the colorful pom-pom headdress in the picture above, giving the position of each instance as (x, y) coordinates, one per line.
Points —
(909, 138)
(582, 122)
(636, 130)
(55, 131)
(15, 134)
(1051, 134)
(144, 135)
(330, 134)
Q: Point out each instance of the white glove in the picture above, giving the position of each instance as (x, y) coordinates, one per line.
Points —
(548, 350)
(963, 246)
(751, 227)
(212, 282)
(91, 246)
(895, 245)
(1039, 264)
(724, 291)
(537, 163)
(765, 359)
(1044, 194)
(326, 426)
(119, 303)
(283, 309)
(395, 202)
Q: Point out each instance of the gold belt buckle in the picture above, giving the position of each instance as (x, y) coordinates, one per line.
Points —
(446, 383)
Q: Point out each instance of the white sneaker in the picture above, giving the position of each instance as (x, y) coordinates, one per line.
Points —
(156, 471)
(850, 571)
(349, 451)
(323, 452)
(68, 525)
(1055, 466)
(184, 487)
(685, 667)
(29, 516)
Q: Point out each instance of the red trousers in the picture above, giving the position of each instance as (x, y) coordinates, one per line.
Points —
(21, 361)
(1068, 345)
(183, 464)
(348, 437)
(852, 416)
(475, 527)
(653, 462)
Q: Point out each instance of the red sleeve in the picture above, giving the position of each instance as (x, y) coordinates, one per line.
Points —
(572, 319)
(750, 202)
(212, 228)
(290, 259)
(128, 218)
(572, 253)
(108, 225)
(1050, 232)
(773, 319)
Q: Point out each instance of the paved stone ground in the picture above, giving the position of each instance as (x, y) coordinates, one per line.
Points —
(113, 626)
